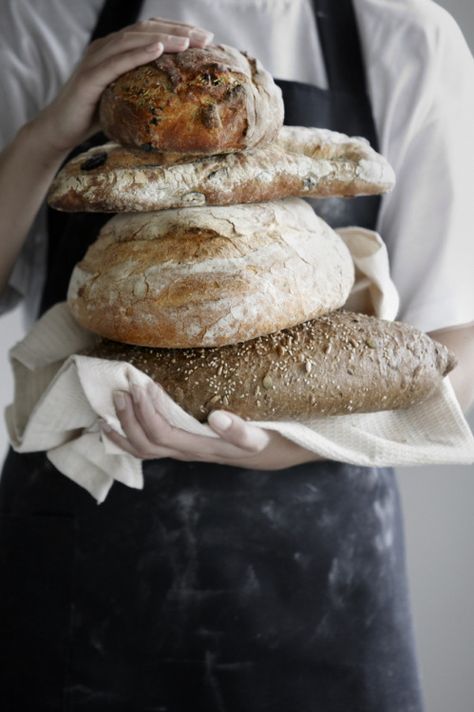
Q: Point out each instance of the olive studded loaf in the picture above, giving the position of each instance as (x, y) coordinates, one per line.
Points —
(338, 364)
(210, 100)
(306, 162)
(210, 276)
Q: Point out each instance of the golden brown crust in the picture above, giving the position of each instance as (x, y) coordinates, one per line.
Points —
(340, 363)
(209, 100)
(210, 276)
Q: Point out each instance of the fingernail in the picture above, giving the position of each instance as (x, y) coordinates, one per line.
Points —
(155, 47)
(222, 421)
(177, 42)
(136, 393)
(119, 400)
(201, 35)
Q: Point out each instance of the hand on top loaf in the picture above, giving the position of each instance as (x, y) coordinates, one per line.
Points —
(149, 436)
(72, 116)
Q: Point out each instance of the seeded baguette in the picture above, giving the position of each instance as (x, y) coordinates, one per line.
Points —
(305, 162)
(338, 364)
(210, 100)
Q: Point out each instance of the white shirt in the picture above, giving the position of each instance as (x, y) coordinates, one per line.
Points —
(421, 82)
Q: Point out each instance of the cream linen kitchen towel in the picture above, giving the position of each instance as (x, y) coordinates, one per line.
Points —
(60, 395)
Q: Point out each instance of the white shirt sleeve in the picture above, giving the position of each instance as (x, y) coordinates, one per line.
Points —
(20, 98)
(40, 43)
(421, 75)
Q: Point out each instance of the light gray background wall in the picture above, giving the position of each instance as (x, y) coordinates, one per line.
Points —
(438, 505)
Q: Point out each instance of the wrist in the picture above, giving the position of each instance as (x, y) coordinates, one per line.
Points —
(37, 137)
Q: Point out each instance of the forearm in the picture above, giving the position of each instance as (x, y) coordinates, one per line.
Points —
(27, 167)
(29, 163)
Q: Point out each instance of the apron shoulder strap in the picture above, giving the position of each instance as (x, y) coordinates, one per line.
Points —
(340, 44)
(116, 15)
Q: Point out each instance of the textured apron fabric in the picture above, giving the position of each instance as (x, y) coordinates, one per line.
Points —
(215, 589)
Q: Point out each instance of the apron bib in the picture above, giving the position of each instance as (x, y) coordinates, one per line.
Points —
(215, 589)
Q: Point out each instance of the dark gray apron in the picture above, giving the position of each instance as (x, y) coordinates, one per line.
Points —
(215, 589)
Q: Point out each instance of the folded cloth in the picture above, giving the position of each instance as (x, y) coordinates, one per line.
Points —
(60, 397)
(373, 291)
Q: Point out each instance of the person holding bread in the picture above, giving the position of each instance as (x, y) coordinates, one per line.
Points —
(248, 574)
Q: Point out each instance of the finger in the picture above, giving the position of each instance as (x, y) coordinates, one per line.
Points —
(167, 21)
(197, 40)
(198, 447)
(151, 422)
(152, 27)
(129, 41)
(171, 42)
(125, 445)
(131, 427)
(141, 27)
(198, 36)
(164, 434)
(94, 79)
(236, 431)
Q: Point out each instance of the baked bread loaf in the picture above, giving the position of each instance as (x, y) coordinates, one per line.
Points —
(306, 162)
(210, 276)
(209, 100)
(340, 363)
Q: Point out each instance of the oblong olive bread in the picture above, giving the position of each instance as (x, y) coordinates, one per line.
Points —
(305, 162)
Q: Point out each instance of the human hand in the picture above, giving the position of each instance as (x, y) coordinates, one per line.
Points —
(72, 117)
(149, 435)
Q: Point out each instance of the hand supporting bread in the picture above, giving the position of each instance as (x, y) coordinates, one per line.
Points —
(150, 435)
(305, 162)
(210, 276)
(338, 364)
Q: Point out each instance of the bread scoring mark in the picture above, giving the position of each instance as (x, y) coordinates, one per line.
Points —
(209, 116)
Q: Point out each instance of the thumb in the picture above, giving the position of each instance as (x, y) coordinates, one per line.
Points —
(238, 432)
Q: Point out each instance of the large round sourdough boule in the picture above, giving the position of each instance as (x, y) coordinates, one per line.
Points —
(210, 276)
(210, 100)
(338, 364)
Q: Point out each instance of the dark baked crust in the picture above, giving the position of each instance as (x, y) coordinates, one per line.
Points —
(340, 363)
(209, 100)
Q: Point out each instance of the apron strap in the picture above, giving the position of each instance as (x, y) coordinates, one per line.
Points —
(340, 44)
(116, 15)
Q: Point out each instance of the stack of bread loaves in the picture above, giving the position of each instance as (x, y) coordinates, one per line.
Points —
(213, 279)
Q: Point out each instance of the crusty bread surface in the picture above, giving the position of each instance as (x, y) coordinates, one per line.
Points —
(210, 100)
(338, 364)
(210, 276)
(305, 162)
